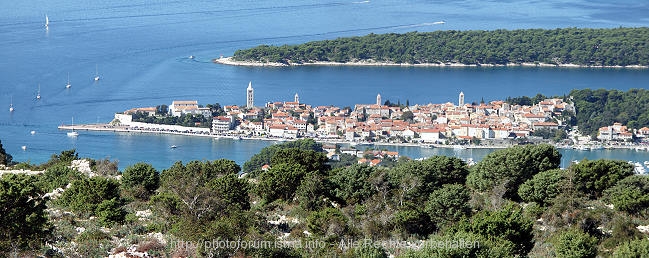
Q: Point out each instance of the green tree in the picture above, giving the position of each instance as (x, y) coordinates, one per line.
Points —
(162, 110)
(369, 251)
(190, 187)
(66, 157)
(329, 223)
(84, 195)
(630, 194)
(512, 167)
(592, 177)
(407, 116)
(280, 181)
(346, 160)
(508, 224)
(58, 176)
(543, 187)
(110, 212)
(204, 201)
(412, 220)
(473, 245)
(313, 191)
(312, 161)
(353, 183)
(413, 182)
(636, 248)
(5, 158)
(141, 180)
(216, 109)
(574, 243)
(264, 156)
(419, 178)
(448, 204)
(23, 221)
(232, 190)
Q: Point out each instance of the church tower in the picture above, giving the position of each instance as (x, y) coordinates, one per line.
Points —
(297, 98)
(250, 98)
(378, 99)
(461, 100)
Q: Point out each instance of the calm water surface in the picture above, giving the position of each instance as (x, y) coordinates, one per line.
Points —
(141, 50)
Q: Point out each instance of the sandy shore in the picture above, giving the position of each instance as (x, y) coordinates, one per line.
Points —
(230, 61)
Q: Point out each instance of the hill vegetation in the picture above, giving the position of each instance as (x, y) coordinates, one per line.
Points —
(601, 107)
(515, 202)
(588, 47)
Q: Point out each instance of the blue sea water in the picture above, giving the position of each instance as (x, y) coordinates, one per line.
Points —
(141, 50)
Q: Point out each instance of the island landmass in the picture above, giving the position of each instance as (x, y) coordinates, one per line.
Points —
(570, 47)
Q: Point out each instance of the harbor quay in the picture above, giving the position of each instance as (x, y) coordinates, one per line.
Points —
(497, 124)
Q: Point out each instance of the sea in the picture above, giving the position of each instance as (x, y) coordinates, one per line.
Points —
(141, 50)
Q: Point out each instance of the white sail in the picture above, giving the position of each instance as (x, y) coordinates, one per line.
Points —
(96, 73)
(38, 95)
(47, 21)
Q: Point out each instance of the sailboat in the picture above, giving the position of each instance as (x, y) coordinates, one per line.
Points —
(96, 73)
(73, 133)
(47, 22)
(11, 106)
(38, 95)
(67, 86)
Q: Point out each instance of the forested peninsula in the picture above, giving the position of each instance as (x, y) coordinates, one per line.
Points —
(596, 108)
(569, 46)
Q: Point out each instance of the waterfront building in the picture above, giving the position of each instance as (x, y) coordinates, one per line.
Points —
(250, 101)
(643, 132)
(222, 124)
(615, 132)
(460, 102)
(179, 107)
(149, 111)
(429, 135)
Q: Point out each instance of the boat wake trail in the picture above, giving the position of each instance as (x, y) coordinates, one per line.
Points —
(265, 40)
(288, 8)
(422, 24)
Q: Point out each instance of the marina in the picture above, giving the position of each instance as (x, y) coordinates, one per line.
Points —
(219, 144)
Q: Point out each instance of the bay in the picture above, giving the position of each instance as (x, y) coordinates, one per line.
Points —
(141, 50)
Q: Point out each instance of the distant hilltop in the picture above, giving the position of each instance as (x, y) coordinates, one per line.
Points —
(619, 47)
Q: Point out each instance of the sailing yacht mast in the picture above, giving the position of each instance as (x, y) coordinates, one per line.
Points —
(68, 85)
(11, 106)
(96, 73)
(72, 133)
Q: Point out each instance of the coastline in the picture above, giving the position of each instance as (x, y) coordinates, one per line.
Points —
(127, 129)
(229, 61)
